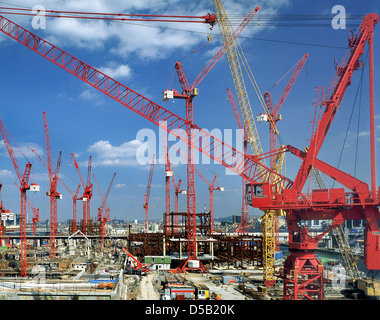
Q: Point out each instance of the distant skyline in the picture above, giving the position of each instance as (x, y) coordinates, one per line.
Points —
(85, 122)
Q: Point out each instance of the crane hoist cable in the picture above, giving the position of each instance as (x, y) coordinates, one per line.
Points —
(208, 18)
(251, 77)
(357, 94)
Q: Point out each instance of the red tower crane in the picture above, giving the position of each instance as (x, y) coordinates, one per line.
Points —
(147, 194)
(168, 174)
(211, 188)
(87, 193)
(5, 215)
(24, 186)
(103, 211)
(272, 117)
(53, 194)
(177, 191)
(36, 215)
(188, 93)
(244, 223)
(273, 111)
(75, 198)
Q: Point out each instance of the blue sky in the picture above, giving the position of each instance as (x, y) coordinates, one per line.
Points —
(85, 122)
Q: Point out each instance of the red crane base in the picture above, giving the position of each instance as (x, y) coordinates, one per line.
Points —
(303, 277)
(183, 267)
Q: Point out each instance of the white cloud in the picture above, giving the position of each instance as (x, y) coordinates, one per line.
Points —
(105, 154)
(88, 94)
(23, 149)
(116, 71)
(120, 185)
(88, 34)
(92, 94)
(6, 174)
(144, 40)
(363, 133)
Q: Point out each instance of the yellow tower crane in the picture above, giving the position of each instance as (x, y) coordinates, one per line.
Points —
(234, 52)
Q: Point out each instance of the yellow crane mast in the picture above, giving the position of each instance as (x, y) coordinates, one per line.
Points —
(233, 54)
(237, 77)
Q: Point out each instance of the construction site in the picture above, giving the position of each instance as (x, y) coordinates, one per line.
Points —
(310, 241)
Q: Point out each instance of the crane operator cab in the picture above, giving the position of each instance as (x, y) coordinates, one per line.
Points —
(260, 194)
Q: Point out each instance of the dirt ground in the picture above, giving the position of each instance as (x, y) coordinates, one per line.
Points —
(146, 288)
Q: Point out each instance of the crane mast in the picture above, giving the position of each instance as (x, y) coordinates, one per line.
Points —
(268, 219)
(75, 198)
(103, 211)
(147, 194)
(188, 94)
(211, 188)
(244, 223)
(53, 180)
(87, 193)
(273, 116)
(168, 174)
(24, 186)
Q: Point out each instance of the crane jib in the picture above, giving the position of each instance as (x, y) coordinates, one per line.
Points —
(247, 167)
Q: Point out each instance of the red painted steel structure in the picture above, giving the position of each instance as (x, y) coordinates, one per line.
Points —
(87, 193)
(177, 191)
(168, 173)
(208, 18)
(75, 198)
(188, 94)
(211, 188)
(53, 181)
(147, 194)
(283, 194)
(273, 116)
(103, 211)
(244, 223)
(36, 215)
(231, 158)
(302, 276)
(24, 186)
